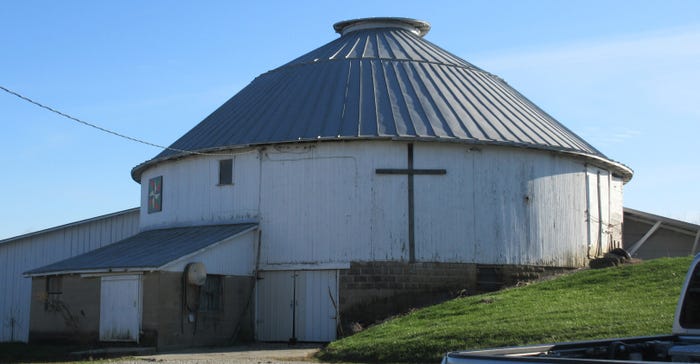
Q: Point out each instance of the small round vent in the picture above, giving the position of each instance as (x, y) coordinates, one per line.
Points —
(196, 274)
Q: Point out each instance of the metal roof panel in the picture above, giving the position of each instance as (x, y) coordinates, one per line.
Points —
(379, 82)
(148, 249)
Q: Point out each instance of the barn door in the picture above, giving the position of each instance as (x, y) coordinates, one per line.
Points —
(120, 308)
(297, 305)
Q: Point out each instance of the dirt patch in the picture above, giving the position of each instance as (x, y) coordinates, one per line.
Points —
(250, 354)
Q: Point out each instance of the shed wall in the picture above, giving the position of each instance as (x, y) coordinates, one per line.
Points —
(18, 255)
(165, 325)
(233, 257)
(74, 316)
(663, 242)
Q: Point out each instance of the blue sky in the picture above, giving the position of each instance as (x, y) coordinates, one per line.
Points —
(624, 75)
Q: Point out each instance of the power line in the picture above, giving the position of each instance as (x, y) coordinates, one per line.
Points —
(25, 98)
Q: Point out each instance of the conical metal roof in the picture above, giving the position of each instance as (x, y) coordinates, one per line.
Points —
(379, 80)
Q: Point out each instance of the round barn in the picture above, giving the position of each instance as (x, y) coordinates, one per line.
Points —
(380, 167)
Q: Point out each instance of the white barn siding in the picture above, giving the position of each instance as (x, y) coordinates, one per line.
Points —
(300, 304)
(23, 253)
(306, 194)
(234, 256)
(449, 236)
(616, 210)
(192, 196)
(605, 211)
(557, 206)
(324, 203)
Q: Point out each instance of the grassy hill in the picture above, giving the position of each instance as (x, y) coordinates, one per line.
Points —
(631, 300)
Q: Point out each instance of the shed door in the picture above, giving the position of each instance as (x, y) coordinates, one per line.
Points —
(120, 308)
(297, 304)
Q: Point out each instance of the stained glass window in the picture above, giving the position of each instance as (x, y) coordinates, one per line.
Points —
(155, 194)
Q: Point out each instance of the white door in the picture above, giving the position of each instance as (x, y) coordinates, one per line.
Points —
(120, 308)
(274, 306)
(297, 304)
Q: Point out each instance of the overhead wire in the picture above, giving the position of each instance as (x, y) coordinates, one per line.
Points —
(36, 103)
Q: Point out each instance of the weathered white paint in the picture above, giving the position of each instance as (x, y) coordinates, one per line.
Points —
(192, 195)
(323, 203)
(317, 296)
(300, 304)
(120, 308)
(274, 304)
(234, 256)
(605, 211)
(616, 212)
(30, 251)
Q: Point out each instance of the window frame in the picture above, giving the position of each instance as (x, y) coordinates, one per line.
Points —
(225, 172)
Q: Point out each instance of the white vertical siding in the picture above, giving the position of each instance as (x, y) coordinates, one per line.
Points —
(557, 208)
(313, 294)
(273, 311)
(306, 193)
(23, 253)
(450, 235)
(325, 203)
(317, 296)
(600, 195)
(192, 195)
(385, 203)
(616, 210)
(235, 256)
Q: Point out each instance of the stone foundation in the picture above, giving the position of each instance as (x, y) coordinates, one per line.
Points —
(372, 291)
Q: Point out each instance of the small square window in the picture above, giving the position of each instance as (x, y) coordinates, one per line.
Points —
(226, 172)
(211, 294)
(54, 290)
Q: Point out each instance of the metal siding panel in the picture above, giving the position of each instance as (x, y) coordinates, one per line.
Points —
(148, 249)
(368, 104)
(38, 249)
(474, 106)
(349, 119)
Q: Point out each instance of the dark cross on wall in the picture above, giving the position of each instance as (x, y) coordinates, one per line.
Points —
(410, 172)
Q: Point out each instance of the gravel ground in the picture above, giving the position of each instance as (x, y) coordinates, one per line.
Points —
(253, 354)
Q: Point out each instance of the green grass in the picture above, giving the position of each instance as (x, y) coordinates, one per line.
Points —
(631, 300)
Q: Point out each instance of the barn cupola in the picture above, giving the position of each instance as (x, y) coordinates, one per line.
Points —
(417, 27)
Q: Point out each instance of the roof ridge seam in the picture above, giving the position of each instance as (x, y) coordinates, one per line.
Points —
(473, 68)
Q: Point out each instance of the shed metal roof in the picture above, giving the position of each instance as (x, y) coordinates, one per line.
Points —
(379, 80)
(147, 250)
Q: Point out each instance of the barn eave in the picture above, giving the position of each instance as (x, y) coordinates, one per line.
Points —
(146, 251)
(617, 168)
